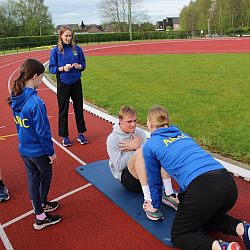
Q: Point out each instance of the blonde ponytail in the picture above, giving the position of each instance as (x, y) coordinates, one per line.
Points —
(158, 116)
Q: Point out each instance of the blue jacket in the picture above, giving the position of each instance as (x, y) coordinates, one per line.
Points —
(179, 155)
(32, 124)
(58, 59)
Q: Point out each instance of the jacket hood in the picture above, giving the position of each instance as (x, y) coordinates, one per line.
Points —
(20, 100)
(171, 131)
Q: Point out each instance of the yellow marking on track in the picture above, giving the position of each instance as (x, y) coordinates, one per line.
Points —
(3, 137)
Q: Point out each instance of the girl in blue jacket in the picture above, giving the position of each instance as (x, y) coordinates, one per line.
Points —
(209, 190)
(35, 141)
(67, 61)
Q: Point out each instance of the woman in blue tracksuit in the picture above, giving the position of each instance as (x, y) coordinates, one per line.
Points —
(209, 191)
(67, 61)
(35, 141)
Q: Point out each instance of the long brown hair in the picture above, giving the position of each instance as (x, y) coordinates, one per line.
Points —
(72, 43)
(28, 69)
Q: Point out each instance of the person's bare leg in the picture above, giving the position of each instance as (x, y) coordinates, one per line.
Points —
(169, 198)
(164, 174)
(167, 183)
(136, 167)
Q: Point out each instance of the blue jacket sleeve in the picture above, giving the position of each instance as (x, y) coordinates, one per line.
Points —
(42, 127)
(82, 59)
(53, 61)
(153, 168)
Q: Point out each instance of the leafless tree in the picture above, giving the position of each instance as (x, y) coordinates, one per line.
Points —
(115, 12)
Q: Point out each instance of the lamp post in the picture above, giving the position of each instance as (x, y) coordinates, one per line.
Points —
(40, 26)
(208, 27)
(129, 20)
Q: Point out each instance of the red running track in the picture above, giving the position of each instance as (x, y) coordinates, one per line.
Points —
(90, 220)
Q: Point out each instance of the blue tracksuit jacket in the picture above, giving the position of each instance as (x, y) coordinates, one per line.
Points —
(58, 59)
(32, 124)
(179, 155)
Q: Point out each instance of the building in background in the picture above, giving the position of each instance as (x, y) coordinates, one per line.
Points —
(90, 28)
(171, 22)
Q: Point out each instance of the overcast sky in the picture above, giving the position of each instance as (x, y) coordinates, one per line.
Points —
(74, 11)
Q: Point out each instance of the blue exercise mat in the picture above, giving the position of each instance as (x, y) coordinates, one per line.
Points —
(98, 173)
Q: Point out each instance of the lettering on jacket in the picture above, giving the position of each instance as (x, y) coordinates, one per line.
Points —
(22, 122)
(172, 139)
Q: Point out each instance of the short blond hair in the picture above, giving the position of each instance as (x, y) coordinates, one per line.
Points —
(159, 117)
(126, 110)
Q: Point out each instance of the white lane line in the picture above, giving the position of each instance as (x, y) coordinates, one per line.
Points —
(16, 70)
(57, 199)
(72, 192)
(5, 239)
(69, 152)
(2, 127)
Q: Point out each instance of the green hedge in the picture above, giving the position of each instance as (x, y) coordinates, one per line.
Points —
(26, 42)
(37, 41)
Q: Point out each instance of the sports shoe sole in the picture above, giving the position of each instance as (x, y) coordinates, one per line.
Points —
(83, 143)
(51, 209)
(148, 214)
(3, 200)
(233, 246)
(167, 202)
(66, 145)
(39, 227)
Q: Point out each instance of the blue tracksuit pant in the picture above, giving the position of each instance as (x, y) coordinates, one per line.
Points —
(39, 172)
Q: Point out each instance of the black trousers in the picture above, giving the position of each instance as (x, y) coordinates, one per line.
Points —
(64, 93)
(39, 172)
(205, 204)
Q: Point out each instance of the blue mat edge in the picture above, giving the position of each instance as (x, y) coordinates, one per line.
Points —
(164, 240)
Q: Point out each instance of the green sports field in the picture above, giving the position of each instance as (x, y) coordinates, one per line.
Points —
(207, 95)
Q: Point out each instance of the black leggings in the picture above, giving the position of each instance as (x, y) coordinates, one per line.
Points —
(64, 92)
(204, 206)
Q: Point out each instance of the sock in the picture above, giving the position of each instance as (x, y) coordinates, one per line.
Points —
(1, 183)
(146, 193)
(41, 216)
(168, 186)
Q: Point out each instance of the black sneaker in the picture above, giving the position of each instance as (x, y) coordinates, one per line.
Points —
(49, 220)
(50, 206)
(4, 193)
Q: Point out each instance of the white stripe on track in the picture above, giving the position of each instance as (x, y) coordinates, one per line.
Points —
(69, 152)
(5, 239)
(57, 199)
(9, 89)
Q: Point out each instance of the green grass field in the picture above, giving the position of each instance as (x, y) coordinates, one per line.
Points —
(207, 95)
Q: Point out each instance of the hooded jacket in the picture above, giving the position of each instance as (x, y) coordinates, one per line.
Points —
(32, 124)
(69, 56)
(118, 160)
(179, 155)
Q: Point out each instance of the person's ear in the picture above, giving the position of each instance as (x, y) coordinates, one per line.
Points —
(34, 77)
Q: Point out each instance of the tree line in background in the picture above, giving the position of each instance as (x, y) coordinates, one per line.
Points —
(32, 17)
(216, 16)
(25, 18)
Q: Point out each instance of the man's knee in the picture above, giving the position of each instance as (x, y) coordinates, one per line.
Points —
(138, 152)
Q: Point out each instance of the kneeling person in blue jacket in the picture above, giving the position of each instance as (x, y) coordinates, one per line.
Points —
(209, 189)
